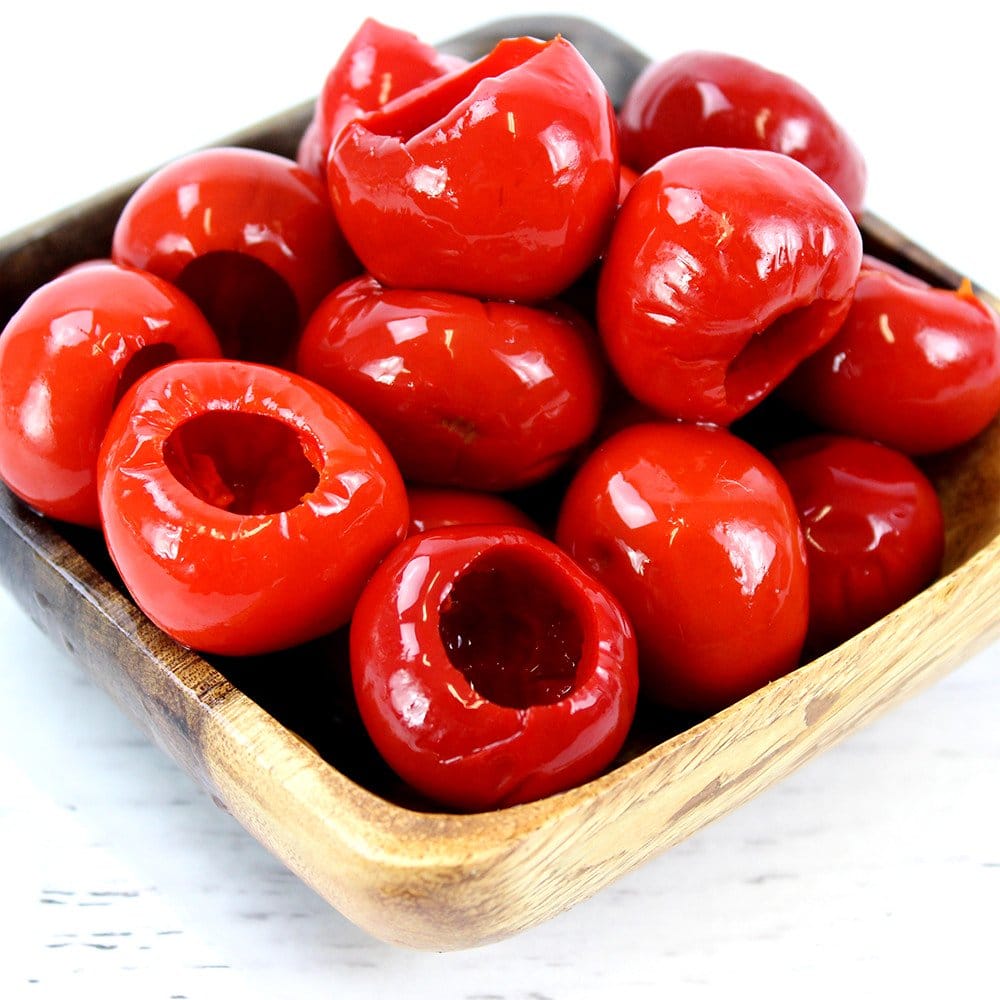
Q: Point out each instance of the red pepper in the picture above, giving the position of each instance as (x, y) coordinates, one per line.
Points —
(696, 534)
(912, 366)
(490, 669)
(66, 357)
(244, 506)
(485, 395)
(713, 99)
(248, 235)
(726, 268)
(873, 529)
(378, 64)
(500, 181)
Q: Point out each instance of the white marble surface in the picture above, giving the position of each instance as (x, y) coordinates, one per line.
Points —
(873, 870)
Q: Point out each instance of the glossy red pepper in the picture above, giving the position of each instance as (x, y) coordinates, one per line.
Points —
(912, 366)
(490, 669)
(714, 99)
(432, 508)
(696, 534)
(726, 268)
(873, 531)
(378, 64)
(248, 235)
(500, 181)
(244, 506)
(66, 357)
(485, 395)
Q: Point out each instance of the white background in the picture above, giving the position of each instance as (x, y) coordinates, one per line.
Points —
(874, 869)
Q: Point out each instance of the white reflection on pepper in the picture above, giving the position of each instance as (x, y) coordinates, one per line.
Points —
(171, 243)
(329, 502)
(188, 197)
(682, 203)
(671, 275)
(35, 415)
(411, 584)
(164, 540)
(531, 367)
(154, 323)
(713, 100)
(161, 501)
(408, 700)
(408, 328)
(385, 370)
(794, 136)
(113, 346)
(750, 550)
(256, 233)
(479, 110)
(361, 68)
(431, 181)
(940, 347)
(69, 330)
(637, 560)
(628, 503)
(562, 148)
(778, 243)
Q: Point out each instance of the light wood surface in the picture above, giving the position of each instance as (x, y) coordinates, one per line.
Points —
(442, 881)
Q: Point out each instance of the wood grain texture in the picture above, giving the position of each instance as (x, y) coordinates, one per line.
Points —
(441, 881)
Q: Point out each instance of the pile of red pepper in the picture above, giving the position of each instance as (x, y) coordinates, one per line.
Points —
(306, 395)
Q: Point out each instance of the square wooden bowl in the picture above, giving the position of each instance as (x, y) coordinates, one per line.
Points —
(276, 740)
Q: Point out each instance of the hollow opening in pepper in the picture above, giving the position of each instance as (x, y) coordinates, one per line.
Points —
(772, 352)
(412, 113)
(249, 305)
(517, 640)
(244, 463)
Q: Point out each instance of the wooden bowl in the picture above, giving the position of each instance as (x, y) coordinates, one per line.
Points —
(277, 741)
